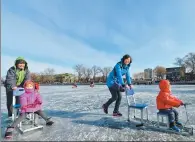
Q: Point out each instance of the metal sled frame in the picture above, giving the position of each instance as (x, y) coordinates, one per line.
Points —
(156, 125)
(135, 106)
(160, 126)
(31, 120)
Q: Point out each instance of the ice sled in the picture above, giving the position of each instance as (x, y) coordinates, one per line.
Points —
(162, 123)
(31, 119)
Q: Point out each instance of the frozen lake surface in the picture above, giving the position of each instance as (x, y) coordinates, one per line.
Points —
(78, 115)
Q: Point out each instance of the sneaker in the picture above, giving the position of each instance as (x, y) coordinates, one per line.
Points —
(9, 132)
(49, 122)
(117, 114)
(105, 109)
(175, 128)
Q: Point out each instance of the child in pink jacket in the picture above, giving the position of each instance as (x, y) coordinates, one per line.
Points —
(30, 101)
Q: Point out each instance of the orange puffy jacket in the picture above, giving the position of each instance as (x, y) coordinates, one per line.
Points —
(165, 99)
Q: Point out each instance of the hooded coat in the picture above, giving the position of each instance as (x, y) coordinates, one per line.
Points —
(17, 77)
(31, 100)
(165, 99)
(116, 75)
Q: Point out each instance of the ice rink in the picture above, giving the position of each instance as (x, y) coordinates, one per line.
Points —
(78, 115)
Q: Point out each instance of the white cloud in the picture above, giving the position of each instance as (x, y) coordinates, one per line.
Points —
(150, 46)
(80, 21)
(8, 61)
(20, 34)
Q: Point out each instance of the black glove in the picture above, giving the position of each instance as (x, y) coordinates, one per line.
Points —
(122, 88)
(185, 104)
(129, 86)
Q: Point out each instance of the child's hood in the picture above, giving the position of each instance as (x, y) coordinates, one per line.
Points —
(29, 90)
(28, 82)
(164, 86)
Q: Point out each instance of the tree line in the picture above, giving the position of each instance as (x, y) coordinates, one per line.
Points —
(97, 74)
(83, 75)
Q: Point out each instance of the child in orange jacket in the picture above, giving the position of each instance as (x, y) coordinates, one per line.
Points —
(165, 103)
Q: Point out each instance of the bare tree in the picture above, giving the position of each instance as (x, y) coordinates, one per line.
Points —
(105, 71)
(43, 78)
(87, 72)
(49, 71)
(84, 72)
(79, 70)
(35, 77)
(49, 75)
(190, 62)
(187, 61)
(179, 62)
(95, 71)
(160, 72)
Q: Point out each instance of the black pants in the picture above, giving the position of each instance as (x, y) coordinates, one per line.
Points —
(116, 96)
(9, 95)
(23, 116)
(172, 114)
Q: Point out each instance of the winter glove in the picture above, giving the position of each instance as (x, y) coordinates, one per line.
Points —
(129, 86)
(122, 88)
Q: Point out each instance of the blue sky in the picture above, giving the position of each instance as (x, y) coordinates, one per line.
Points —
(62, 33)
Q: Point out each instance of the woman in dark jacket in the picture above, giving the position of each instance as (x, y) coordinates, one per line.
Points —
(116, 84)
(16, 76)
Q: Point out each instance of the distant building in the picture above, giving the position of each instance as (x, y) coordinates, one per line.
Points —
(189, 76)
(175, 73)
(148, 73)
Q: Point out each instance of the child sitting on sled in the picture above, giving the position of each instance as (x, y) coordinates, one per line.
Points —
(30, 101)
(165, 103)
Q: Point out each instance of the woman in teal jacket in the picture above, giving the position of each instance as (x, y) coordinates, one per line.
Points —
(116, 84)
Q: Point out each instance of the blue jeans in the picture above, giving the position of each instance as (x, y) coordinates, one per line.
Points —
(172, 114)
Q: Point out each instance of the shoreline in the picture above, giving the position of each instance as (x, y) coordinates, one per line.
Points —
(83, 84)
(105, 84)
